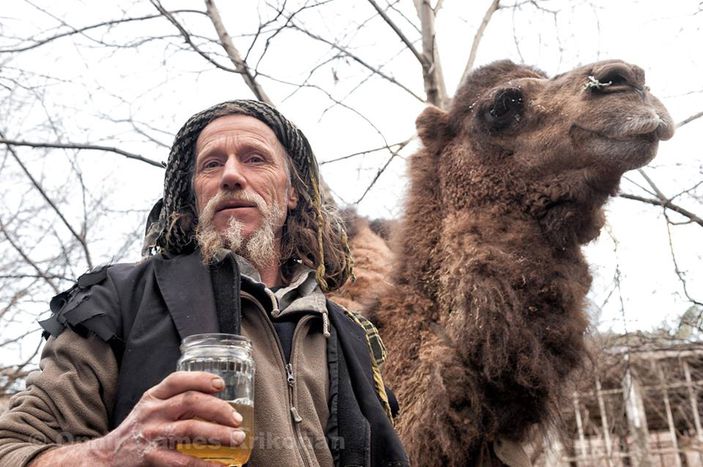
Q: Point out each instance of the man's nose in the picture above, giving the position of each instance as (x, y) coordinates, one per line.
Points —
(232, 176)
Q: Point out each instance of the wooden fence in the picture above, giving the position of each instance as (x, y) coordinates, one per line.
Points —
(638, 408)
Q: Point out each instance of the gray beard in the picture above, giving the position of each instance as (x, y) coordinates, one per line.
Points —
(260, 249)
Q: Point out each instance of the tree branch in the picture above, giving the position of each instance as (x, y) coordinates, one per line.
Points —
(361, 62)
(233, 54)
(368, 151)
(394, 154)
(17, 372)
(35, 276)
(433, 78)
(187, 36)
(492, 8)
(17, 296)
(17, 338)
(400, 34)
(82, 30)
(27, 259)
(652, 185)
(411, 23)
(665, 204)
(87, 147)
(41, 191)
(689, 119)
(679, 272)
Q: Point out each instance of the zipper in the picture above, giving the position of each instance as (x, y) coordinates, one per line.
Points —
(295, 418)
(290, 373)
(291, 384)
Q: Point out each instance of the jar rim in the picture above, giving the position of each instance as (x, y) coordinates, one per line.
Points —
(216, 338)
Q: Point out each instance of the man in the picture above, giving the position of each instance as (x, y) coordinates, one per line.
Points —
(240, 179)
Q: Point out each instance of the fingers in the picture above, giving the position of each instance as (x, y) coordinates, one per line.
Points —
(165, 458)
(183, 409)
(188, 394)
(193, 404)
(162, 440)
(205, 437)
(179, 410)
(182, 381)
(194, 431)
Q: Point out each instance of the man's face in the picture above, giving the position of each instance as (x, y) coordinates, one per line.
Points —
(240, 156)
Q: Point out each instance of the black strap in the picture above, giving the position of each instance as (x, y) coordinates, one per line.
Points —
(361, 421)
(332, 429)
(226, 283)
(353, 427)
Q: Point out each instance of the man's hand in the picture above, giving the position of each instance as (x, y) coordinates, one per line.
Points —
(181, 408)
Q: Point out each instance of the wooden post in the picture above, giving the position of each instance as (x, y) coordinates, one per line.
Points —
(554, 450)
(636, 420)
(669, 415)
(692, 395)
(579, 425)
(604, 423)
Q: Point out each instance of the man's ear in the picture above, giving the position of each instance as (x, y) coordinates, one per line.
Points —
(292, 197)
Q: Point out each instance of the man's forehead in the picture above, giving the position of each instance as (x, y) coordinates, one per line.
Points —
(235, 125)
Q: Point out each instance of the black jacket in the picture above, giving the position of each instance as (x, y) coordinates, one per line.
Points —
(161, 301)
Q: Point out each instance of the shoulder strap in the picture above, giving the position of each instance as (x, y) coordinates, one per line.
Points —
(377, 352)
(226, 283)
(73, 309)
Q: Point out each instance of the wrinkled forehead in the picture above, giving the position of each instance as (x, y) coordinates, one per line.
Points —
(243, 130)
(234, 126)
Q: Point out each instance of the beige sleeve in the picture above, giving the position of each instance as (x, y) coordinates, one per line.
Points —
(68, 400)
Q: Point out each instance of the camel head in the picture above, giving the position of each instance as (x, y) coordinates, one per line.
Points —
(599, 116)
(514, 136)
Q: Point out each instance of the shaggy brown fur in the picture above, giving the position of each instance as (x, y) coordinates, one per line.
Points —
(372, 262)
(485, 319)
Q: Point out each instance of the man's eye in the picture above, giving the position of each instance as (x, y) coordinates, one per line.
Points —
(210, 164)
(255, 158)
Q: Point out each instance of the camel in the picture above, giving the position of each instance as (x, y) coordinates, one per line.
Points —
(483, 313)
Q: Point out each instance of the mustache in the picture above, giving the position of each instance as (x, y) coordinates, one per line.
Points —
(240, 195)
(208, 211)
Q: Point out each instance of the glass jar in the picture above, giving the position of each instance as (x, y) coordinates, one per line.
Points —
(228, 356)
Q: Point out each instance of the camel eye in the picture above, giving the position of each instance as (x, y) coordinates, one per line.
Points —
(505, 109)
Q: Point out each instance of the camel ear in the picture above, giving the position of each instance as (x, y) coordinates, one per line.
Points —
(433, 126)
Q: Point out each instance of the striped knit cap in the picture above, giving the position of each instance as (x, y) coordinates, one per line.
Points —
(171, 224)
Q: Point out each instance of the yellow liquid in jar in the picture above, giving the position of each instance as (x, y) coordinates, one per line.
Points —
(227, 455)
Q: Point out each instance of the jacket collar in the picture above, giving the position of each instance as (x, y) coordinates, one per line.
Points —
(186, 288)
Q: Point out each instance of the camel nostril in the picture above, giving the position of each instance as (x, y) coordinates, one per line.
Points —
(614, 76)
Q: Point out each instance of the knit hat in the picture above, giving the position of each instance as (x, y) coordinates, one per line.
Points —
(171, 223)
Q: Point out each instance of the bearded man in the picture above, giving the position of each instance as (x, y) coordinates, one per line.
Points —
(241, 243)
